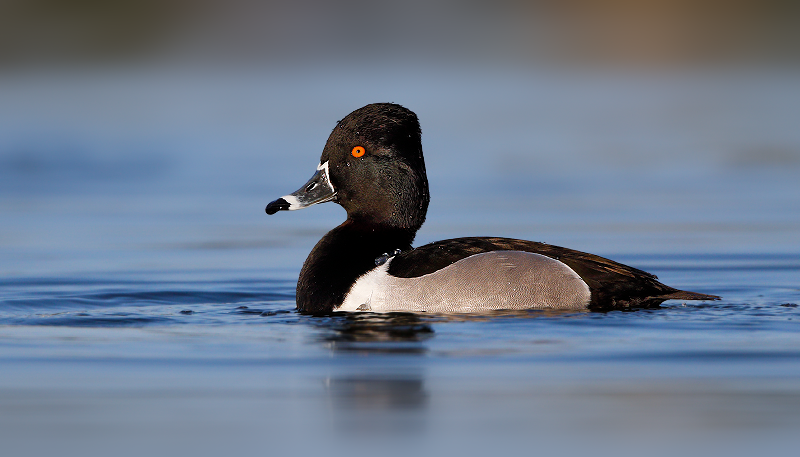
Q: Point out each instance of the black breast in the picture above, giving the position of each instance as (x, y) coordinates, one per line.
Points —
(339, 258)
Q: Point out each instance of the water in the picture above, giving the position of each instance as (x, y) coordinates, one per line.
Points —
(147, 302)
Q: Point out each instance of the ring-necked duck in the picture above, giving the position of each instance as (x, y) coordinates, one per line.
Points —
(372, 165)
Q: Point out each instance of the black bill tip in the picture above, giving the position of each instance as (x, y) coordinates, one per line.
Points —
(278, 205)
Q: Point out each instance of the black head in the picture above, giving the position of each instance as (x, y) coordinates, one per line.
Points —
(373, 166)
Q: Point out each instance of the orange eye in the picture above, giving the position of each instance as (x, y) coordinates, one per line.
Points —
(358, 151)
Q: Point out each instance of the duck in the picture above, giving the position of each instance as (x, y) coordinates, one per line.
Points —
(372, 165)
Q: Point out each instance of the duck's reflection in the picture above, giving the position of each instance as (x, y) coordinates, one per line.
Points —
(378, 392)
(378, 404)
(387, 391)
(378, 387)
(377, 333)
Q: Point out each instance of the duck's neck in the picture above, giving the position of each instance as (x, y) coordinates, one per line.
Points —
(340, 257)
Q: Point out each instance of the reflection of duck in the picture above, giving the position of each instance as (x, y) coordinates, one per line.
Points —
(373, 166)
(371, 328)
(375, 393)
(396, 333)
(378, 404)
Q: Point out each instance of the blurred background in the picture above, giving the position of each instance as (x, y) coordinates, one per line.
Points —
(144, 125)
(657, 33)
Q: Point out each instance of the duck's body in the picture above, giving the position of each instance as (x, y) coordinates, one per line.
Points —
(373, 166)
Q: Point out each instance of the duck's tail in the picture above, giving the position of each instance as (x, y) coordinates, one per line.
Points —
(685, 295)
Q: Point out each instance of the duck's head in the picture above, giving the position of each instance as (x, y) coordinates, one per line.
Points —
(372, 165)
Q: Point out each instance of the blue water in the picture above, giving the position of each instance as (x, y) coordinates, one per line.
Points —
(147, 302)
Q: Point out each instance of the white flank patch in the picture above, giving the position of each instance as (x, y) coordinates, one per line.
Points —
(360, 296)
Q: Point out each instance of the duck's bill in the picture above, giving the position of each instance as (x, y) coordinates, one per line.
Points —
(318, 189)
